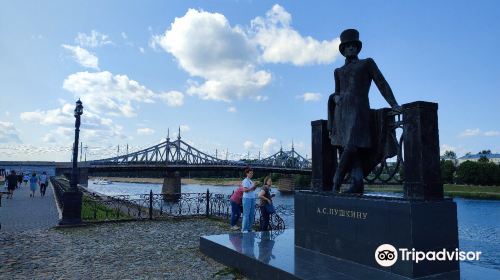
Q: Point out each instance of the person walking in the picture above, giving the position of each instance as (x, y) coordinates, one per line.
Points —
(33, 183)
(248, 201)
(236, 205)
(11, 183)
(26, 178)
(43, 182)
(19, 179)
(266, 204)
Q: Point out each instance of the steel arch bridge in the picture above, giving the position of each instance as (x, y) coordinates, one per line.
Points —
(180, 153)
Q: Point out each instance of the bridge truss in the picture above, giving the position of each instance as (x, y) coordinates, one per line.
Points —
(179, 152)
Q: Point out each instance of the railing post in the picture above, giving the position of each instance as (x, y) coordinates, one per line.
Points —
(208, 204)
(150, 204)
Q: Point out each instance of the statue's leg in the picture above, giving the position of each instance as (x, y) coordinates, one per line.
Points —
(342, 167)
(356, 175)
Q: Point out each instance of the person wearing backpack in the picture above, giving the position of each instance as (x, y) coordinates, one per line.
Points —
(43, 181)
(33, 183)
(236, 207)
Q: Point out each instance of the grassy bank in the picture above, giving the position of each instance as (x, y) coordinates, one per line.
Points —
(95, 211)
(465, 191)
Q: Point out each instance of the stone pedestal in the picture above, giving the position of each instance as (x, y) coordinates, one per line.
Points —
(324, 157)
(422, 173)
(172, 186)
(352, 227)
(72, 208)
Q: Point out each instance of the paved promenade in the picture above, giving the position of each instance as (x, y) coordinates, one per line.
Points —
(22, 212)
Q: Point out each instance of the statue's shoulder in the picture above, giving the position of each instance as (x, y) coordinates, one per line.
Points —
(368, 60)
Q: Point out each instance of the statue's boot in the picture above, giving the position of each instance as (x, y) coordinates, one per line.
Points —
(357, 185)
(342, 168)
(357, 189)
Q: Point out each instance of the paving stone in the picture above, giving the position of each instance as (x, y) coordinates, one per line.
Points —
(127, 250)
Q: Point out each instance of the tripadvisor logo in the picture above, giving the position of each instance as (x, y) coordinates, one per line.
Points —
(387, 255)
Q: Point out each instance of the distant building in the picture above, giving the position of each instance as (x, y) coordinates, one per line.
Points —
(492, 157)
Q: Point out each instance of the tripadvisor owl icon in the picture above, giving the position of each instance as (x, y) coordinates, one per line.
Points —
(386, 255)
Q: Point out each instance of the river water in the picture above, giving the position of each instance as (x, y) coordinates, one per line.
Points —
(478, 220)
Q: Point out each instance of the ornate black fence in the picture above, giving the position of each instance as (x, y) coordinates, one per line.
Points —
(60, 185)
(389, 172)
(161, 206)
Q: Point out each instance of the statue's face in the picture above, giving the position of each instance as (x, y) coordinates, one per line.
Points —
(350, 49)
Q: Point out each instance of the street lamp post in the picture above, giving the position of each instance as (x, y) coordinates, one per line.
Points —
(72, 198)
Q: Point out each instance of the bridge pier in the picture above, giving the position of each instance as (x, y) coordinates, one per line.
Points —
(83, 176)
(171, 188)
(286, 183)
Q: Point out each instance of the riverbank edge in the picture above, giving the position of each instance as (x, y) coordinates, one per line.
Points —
(475, 192)
(229, 182)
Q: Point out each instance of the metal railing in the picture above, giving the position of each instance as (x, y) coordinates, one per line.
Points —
(60, 186)
(161, 206)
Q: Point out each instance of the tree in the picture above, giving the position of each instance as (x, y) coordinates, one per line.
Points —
(483, 159)
(468, 173)
(447, 171)
(450, 155)
(483, 155)
(485, 152)
(478, 173)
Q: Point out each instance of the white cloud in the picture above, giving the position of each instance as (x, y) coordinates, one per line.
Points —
(184, 128)
(460, 150)
(470, 132)
(249, 145)
(94, 39)
(49, 138)
(207, 46)
(280, 43)
(83, 57)
(297, 145)
(232, 109)
(8, 133)
(59, 116)
(124, 35)
(310, 96)
(172, 98)
(261, 98)
(270, 146)
(94, 128)
(141, 49)
(145, 131)
(492, 133)
(227, 58)
(108, 94)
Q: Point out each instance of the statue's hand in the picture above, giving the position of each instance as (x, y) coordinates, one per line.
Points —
(397, 109)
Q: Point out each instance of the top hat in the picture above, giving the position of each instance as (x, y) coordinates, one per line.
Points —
(348, 36)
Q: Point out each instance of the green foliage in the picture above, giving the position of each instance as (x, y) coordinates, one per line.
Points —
(485, 152)
(483, 159)
(447, 171)
(478, 173)
(302, 181)
(94, 211)
(450, 155)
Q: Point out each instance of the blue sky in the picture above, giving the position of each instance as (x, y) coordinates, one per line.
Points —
(236, 75)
